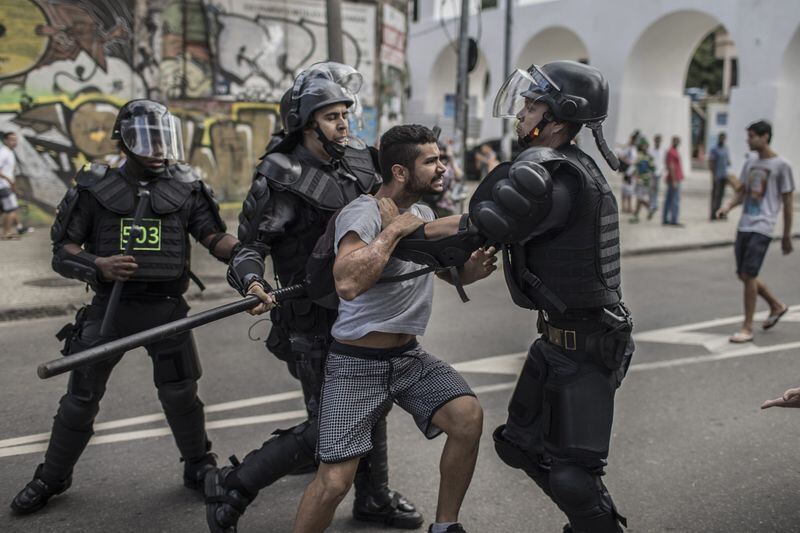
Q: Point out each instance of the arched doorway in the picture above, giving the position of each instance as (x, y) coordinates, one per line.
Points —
(653, 98)
(786, 129)
(552, 44)
(441, 92)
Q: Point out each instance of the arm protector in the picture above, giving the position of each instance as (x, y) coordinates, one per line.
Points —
(79, 266)
(445, 252)
(262, 215)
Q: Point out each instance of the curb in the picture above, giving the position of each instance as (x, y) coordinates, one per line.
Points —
(49, 311)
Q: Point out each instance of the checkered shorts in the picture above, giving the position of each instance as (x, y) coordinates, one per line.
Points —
(361, 384)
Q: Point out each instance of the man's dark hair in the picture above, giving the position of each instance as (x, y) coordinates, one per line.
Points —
(7, 134)
(760, 128)
(400, 146)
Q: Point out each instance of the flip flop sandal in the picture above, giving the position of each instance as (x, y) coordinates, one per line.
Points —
(740, 338)
(773, 318)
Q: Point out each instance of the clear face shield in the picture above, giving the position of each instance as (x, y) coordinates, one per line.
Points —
(521, 84)
(348, 78)
(152, 135)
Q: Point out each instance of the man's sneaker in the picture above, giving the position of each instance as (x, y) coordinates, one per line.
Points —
(453, 528)
(223, 506)
(194, 472)
(394, 511)
(36, 493)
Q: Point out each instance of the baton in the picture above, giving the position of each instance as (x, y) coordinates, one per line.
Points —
(115, 347)
(116, 291)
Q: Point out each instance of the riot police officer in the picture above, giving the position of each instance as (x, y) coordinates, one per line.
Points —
(313, 170)
(91, 229)
(558, 219)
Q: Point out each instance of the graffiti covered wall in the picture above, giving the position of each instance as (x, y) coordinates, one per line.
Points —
(67, 67)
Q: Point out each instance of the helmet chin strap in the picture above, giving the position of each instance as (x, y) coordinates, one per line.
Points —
(529, 137)
(335, 150)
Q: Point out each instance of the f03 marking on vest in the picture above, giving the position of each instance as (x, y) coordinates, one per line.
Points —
(150, 238)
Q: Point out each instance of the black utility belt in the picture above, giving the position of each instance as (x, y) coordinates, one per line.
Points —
(606, 339)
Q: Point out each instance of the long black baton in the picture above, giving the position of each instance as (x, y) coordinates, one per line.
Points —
(116, 291)
(115, 347)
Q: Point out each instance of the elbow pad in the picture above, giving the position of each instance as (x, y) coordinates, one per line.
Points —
(511, 201)
(76, 266)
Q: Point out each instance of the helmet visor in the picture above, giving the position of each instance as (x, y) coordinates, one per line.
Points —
(315, 82)
(154, 136)
(510, 98)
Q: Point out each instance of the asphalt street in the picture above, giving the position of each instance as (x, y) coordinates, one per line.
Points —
(691, 451)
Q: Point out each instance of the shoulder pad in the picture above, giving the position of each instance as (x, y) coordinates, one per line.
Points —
(90, 174)
(362, 163)
(184, 173)
(63, 213)
(208, 193)
(282, 169)
(169, 194)
(113, 192)
(251, 209)
(541, 154)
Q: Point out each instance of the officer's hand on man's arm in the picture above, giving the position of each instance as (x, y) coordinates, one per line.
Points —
(267, 300)
(790, 398)
(479, 265)
(116, 267)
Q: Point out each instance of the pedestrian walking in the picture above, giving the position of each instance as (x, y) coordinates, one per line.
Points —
(767, 186)
(375, 360)
(9, 203)
(718, 162)
(91, 229)
(643, 176)
(560, 415)
(659, 155)
(672, 198)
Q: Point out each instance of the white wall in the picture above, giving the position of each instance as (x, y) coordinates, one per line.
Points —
(644, 47)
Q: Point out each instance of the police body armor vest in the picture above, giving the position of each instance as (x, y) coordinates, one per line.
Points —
(322, 193)
(579, 266)
(162, 251)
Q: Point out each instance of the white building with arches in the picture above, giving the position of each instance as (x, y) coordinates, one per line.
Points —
(643, 47)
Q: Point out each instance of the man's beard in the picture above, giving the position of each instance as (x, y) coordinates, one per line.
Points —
(419, 187)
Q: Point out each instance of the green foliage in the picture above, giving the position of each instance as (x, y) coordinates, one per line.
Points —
(705, 70)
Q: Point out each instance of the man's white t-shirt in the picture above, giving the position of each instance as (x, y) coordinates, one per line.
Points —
(7, 165)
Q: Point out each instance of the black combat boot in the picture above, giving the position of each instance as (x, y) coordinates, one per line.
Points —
(194, 472)
(374, 501)
(224, 505)
(36, 493)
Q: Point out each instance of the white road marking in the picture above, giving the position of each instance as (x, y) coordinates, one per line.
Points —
(507, 364)
(146, 419)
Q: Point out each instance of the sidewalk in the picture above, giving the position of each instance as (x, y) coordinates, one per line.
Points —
(30, 288)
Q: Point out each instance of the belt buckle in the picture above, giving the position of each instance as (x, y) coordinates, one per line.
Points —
(569, 334)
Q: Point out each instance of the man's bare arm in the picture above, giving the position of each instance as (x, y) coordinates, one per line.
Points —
(359, 265)
(788, 206)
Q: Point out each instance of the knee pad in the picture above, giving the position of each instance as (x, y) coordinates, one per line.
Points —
(77, 414)
(179, 397)
(579, 413)
(581, 495)
(174, 362)
(533, 465)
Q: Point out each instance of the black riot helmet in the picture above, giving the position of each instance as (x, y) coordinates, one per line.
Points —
(147, 129)
(574, 92)
(319, 86)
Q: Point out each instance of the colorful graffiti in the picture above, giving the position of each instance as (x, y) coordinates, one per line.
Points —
(221, 65)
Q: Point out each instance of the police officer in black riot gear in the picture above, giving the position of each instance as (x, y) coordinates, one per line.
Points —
(558, 220)
(89, 233)
(312, 170)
